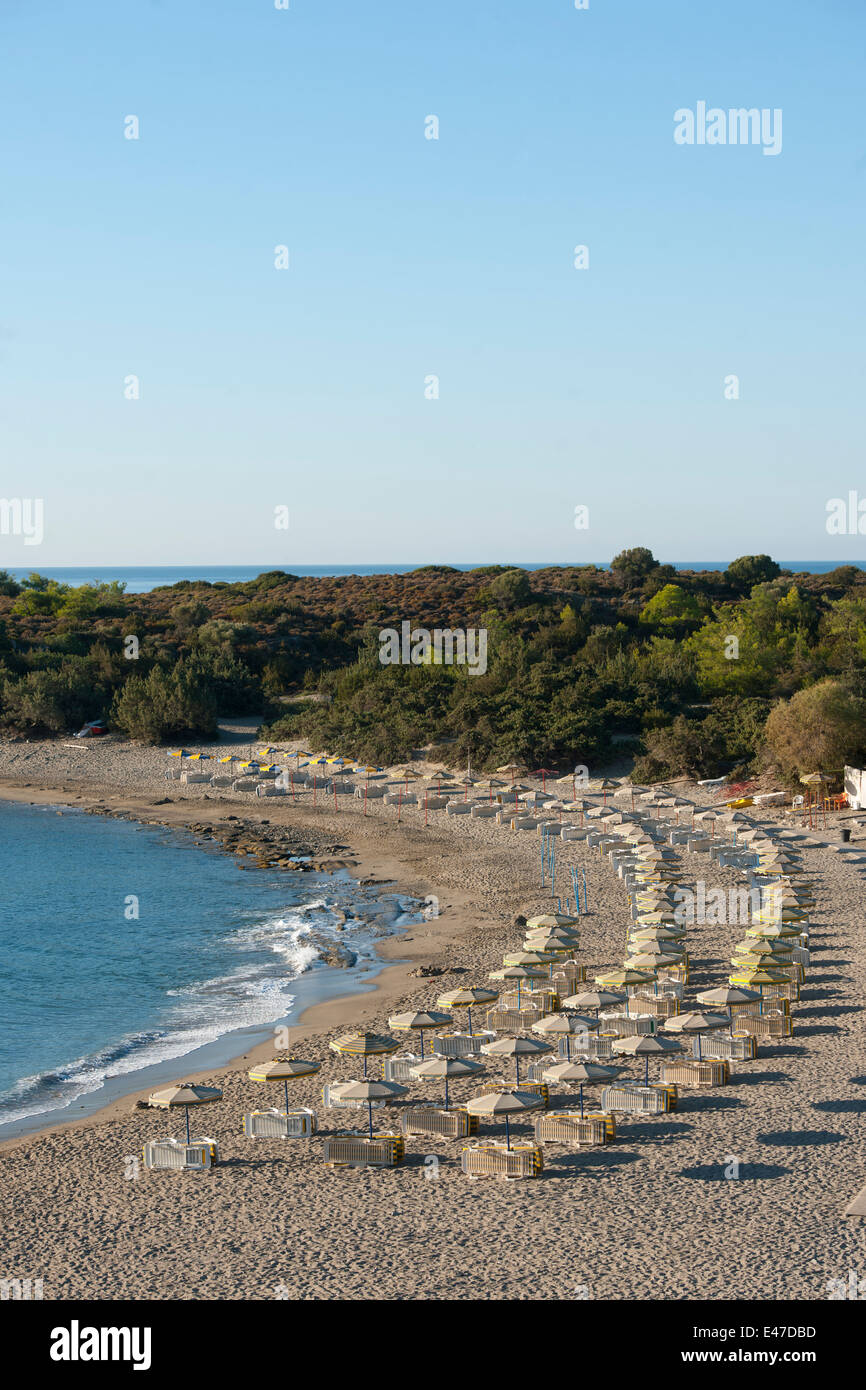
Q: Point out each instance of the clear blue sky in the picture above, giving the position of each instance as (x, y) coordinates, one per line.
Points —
(412, 257)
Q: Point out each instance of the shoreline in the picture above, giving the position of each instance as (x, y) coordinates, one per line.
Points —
(392, 975)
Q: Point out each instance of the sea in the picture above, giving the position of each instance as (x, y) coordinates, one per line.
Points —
(133, 955)
(140, 579)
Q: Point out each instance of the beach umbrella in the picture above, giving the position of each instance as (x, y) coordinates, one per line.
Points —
(490, 783)
(605, 786)
(757, 960)
(646, 1045)
(552, 920)
(364, 1045)
(513, 768)
(370, 1091)
(283, 1069)
(186, 1095)
(771, 931)
(593, 999)
(623, 978)
(504, 1103)
(437, 776)
(561, 942)
(515, 1047)
(553, 1025)
(417, 1022)
(466, 999)
(584, 1073)
(641, 934)
(544, 773)
(696, 1023)
(445, 1067)
(767, 947)
(568, 935)
(651, 960)
(518, 973)
(528, 957)
(727, 995)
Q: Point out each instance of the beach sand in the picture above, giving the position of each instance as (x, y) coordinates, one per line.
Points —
(649, 1217)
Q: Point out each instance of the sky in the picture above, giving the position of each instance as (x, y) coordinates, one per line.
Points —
(304, 394)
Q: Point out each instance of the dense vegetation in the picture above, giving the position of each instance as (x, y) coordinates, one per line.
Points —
(691, 672)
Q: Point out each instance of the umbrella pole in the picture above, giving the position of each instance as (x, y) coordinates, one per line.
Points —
(446, 1093)
(581, 1100)
(507, 1134)
(187, 1123)
(646, 1071)
(370, 1112)
(365, 1064)
(286, 1084)
(421, 1031)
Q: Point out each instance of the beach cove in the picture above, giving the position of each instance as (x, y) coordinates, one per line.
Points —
(607, 1220)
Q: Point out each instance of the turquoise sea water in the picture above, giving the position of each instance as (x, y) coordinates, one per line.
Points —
(91, 997)
(140, 579)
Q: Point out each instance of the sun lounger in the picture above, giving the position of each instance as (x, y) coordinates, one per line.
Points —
(461, 1044)
(382, 1151)
(481, 812)
(658, 1007)
(701, 1074)
(398, 1068)
(398, 799)
(766, 1025)
(451, 1124)
(495, 1161)
(739, 1048)
(636, 1100)
(279, 1124)
(196, 1156)
(512, 1020)
(458, 808)
(625, 1026)
(243, 785)
(571, 1128)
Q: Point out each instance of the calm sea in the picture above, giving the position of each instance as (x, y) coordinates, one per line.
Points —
(140, 579)
(95, 1002)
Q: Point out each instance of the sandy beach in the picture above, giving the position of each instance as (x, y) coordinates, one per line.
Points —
(650, 1216)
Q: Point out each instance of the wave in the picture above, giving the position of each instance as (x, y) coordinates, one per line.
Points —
(256, 992)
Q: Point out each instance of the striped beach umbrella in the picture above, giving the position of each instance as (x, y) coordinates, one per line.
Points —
(283, 1069)
(364, 1045)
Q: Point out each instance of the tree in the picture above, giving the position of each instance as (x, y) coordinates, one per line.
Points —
(751, 569)
(166, 705)
(818, 730)
(671, 606)
(633, 564)
(9, 586)
(511, 590)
